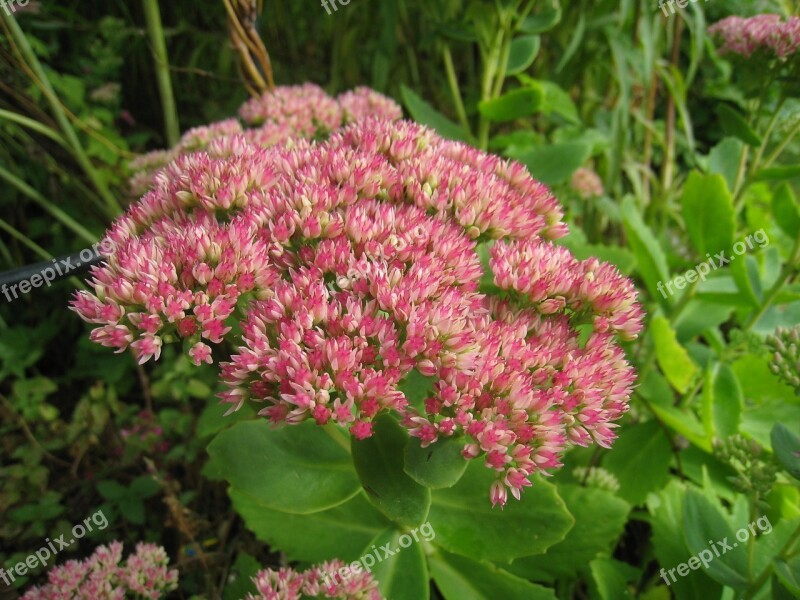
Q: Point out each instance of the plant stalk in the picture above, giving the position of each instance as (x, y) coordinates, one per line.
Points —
(155, 31)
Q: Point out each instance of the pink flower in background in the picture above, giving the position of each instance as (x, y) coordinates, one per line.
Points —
(362, 103)
(145, 574)
(327, 272)
(587, 184)
(306, 108)
(768, 33)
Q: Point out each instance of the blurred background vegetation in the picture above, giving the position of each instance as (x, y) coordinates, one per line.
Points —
(625, 91)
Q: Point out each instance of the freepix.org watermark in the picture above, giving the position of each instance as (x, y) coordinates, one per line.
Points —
(58, 268)
(49, 550)
(663, 4)
(716, 549)
(704, 269)
(11, 6)
(327, 4)
(366, 562)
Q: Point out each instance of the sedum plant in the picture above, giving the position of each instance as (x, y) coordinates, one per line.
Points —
(391, 287)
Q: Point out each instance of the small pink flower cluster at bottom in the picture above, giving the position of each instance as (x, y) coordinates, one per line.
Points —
(316, 582)
(762, 32)
(145, 574)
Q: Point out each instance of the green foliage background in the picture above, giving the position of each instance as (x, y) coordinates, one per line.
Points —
(695, 153)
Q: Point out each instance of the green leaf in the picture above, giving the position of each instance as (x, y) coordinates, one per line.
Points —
(213, 420)
(112, 490)
(522, 102)
(652, 263)
(600, 518)
(404, 575)
(132, 509)
(722, 402)
(666, 519)
(466, 523)
(620, 257)
(379, 464)
(144, 487)
(463, 32)
(778, 173)
(417, 388)
(709, 214)
(556, 100)
(461, 578)
(610, 578)
(544, 20)
(735, 125)
(656, 389)
(700, 315)
(554, 164)
(640, 460)
(787, 211)
(703, 521)
(747, 281)
(724, 160)
(786, 446)
(758, 383)
(341, 532)
(239, 583)
(788, 573)
(440, 465)
(759, 419)
(522, 53)
(298, 469)
(770, 540)
(424, 113)
(520, 138)
(673, 358)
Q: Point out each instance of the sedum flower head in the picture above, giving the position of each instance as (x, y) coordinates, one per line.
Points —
(766, 33)
(320, 581)
(145, 574)
(321, 275)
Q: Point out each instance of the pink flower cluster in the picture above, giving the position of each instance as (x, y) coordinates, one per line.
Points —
(587, 184)
(320, 581)
(768, 33)
(278, 117)
(334, 269)
(145, 574)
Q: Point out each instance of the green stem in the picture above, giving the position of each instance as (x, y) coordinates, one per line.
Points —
(452, 81)
(785, 144)
(687, 297)
(789, 268)
(36, 248)
(33, 125)
(25, 240)
(741, 176)
(41, 80)
(155, 32)
(57, 213)
(502, 67)
(337, 435)
(487, 86)
(768, 134)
